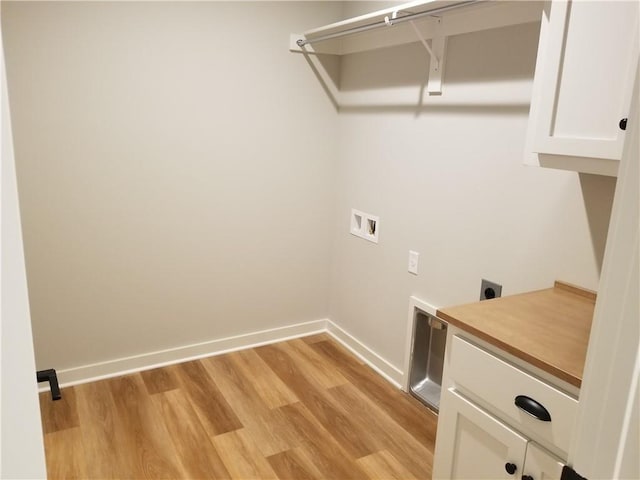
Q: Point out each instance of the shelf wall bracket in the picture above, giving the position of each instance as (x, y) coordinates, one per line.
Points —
(434, 58)
(437, 53)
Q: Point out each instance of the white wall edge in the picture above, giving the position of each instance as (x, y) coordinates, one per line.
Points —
(22, 454)
(392, 374)
(414, 304)
(172, 356)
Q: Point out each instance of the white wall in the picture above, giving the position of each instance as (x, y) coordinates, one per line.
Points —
(175, 165)
(184, 178)
(448, 182)
(21, 446)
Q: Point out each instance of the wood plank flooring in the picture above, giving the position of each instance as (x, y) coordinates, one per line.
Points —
(301, 409)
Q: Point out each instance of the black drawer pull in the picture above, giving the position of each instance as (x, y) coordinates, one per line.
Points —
(533, 408)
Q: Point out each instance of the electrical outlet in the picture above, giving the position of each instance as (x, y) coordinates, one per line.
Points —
(413, 262)
(489, 290)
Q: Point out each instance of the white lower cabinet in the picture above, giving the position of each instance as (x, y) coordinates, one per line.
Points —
(479, 445)
(541, 465)
(476, 445)
(497, 420)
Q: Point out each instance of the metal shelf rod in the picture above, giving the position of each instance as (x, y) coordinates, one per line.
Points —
(383, 23)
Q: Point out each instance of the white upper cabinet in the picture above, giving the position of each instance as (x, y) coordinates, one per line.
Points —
(583, 84)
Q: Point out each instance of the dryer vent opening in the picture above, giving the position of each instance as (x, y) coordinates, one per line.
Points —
(427, 358)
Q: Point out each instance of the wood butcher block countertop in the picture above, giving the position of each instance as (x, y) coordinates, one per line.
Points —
(547, 328)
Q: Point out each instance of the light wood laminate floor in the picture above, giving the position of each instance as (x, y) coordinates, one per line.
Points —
(301, 409)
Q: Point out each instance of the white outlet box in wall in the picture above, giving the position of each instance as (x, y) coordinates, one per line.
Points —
(365, 225)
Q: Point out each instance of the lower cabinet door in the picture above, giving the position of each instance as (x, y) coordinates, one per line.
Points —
(541, 465)
(474, 444)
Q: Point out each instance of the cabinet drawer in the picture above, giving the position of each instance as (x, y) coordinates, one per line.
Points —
(497, 383)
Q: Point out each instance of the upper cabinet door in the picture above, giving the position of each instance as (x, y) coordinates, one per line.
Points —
(583, 84)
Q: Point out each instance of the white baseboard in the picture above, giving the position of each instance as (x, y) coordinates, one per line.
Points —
(162, 358)
(147, 361)
(371, 358)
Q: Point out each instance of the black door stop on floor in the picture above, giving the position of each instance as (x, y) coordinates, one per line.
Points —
(51, 377)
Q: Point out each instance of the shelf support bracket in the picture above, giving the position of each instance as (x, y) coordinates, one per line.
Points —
(433, 56)
(436, 52)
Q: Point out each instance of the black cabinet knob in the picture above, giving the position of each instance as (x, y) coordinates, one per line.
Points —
(510, 468)
(526, 477)
(623, 124)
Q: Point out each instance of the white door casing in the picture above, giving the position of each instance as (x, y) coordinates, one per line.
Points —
(607, 427)
(21, 441)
